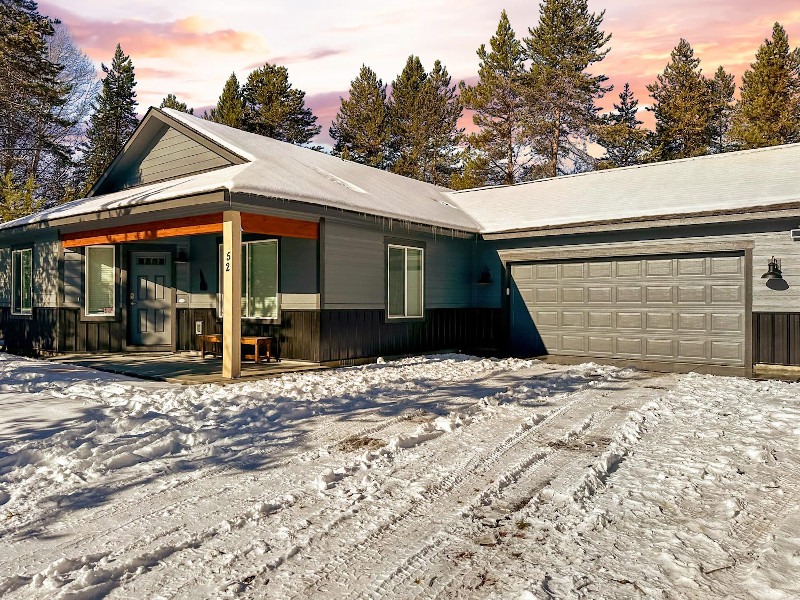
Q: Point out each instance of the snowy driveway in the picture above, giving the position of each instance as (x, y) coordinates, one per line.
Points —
(445, 476)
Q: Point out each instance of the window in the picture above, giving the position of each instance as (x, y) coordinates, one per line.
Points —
(405, 281)
(100, 288)
(22, 281)
(259, 279)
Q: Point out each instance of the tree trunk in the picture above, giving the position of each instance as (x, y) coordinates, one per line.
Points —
(556, 141)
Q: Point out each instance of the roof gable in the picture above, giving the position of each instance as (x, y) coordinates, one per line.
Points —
(161, 149)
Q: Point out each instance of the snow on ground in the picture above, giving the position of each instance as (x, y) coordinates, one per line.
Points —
(444, 476)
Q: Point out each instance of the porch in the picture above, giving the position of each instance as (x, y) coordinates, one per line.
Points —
(182, 367)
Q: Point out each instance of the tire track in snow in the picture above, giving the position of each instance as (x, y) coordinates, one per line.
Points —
(433, 502)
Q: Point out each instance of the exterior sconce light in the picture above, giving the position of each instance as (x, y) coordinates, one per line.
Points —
(485, 278)
(774, 276)
(774, 271)
(182, 256)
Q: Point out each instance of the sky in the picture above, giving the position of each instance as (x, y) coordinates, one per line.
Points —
(190, 47)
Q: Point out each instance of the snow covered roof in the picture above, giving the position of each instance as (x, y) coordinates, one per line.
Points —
(281, 170)
(766, 177)
(732, 182)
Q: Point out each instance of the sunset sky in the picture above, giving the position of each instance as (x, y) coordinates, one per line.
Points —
(190, 47)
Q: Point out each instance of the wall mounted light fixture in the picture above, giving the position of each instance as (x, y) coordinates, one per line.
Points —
(774, 276)
(485, 278)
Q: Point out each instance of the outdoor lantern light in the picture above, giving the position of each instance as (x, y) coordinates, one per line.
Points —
(774, 271)
(485, 278)
(182, 256)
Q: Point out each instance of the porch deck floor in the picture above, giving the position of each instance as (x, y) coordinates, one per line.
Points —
(184, 367)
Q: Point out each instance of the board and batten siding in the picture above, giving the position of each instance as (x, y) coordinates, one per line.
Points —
(355, 266)
(170, 154)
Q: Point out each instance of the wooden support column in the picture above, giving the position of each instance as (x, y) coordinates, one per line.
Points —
(232, 304)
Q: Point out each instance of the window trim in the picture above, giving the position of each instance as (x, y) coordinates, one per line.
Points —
(405, 316)
(246, 279)
(86, 254)
(21, 312)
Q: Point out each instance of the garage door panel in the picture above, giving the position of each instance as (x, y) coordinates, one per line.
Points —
(658, 268)
(727, 265)
(684, 308)
(688, 267)
(727, 294)
(601, 319)
(691, 294)
(658, 320)
(632, 294)
(601, 344)
(572, 270)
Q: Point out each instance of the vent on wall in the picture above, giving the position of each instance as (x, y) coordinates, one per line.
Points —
(796, 234)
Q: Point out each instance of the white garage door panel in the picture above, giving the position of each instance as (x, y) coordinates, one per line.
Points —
(679, 308)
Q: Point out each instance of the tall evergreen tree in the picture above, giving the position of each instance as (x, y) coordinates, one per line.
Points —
(621, 135)
(768, 112)
(424, 112)
(274, 109)
(230, 106)
(561, 92)
(722, 90)
(171, 101)
(32, 95)
(114, 119)
(361, 128)
(499, 103)
(684, 107)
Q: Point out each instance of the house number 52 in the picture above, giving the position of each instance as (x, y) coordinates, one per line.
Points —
(227, 261)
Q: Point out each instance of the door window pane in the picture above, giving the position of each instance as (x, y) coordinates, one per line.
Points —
(100, 280)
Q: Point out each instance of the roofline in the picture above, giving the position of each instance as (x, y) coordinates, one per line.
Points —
(661, 163)
(166, 119)
(777, 211)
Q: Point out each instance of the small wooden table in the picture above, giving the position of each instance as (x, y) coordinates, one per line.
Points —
(259, 344)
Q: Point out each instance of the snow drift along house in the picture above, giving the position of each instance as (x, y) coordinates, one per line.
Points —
(658, 266)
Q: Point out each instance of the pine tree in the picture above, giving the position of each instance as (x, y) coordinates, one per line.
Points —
(274, 109)
(621, 135)
(32, 95)
(424, 112)
(561, 93)
(683, 106)
(722, 90)
(230, 106)
(474, 171)
(768, 112)
(361, 128)
(499, 103)
(171, 101)
(18, 200)
(114, 119)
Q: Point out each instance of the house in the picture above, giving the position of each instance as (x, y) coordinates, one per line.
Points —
(657, 266)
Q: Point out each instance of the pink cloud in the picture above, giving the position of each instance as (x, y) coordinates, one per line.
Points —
(317, 54)
(148, 39)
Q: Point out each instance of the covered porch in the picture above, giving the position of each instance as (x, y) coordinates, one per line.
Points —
(179, 367)
(151, 288)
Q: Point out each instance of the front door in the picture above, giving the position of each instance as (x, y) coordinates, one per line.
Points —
(150, 299)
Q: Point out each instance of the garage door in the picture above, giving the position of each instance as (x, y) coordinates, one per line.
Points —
(687, 308)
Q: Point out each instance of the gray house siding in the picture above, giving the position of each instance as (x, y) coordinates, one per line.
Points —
(171, 154)
(355, 266)
(45, 274)
(5, 277)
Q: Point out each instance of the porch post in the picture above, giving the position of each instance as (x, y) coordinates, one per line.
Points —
(232, 304)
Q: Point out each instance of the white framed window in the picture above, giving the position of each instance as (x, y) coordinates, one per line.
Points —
(259, 279)
(405, 280)
(22, 281)
(100, 281)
